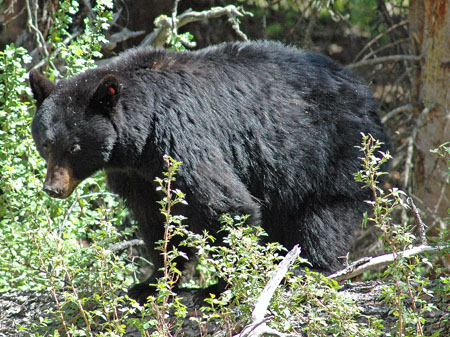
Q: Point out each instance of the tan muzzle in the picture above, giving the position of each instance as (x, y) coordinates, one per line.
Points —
(59, 182)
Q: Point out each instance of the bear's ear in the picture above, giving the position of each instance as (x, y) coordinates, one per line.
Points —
(40, 86)
(106, 95)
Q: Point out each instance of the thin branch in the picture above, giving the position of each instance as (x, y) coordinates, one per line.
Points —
(235, 25)
(74, 203)
(369, 263)
(300, 19)
(250, 329)
(384, 11)
(384, 47)
(446, 179)
(213, 13)
(56, 51)
(379, 36)
(390, 114)
(115, 18)
(420, 225)
(384, 59)
(10, 10)
(307, 41)
(39, 37)
(66, 217)
(125, 34)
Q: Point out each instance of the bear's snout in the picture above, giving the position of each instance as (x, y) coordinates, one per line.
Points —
(59, 182)
(53, 191)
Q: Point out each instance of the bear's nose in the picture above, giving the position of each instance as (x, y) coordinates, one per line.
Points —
(53, 191)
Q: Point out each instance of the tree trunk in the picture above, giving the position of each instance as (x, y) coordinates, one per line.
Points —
(430, 33)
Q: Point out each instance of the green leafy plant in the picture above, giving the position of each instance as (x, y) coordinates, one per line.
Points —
(165, 307)
(81, 271)
(59, 34)
(444, 279)
(312, 302)
(409, 283)
(444, 151)
(245, 264)
(20, 174)
(307, 301)
(179, 41)
(61, 246)
(78, 51)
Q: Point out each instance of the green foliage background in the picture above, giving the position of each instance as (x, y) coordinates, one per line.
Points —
(63, 245)
(32, 223)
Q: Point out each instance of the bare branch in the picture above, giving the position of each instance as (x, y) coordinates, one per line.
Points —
(264, 330)
(266, 295)
(258, 325)
(369, 263)
(215, 12)
(126, 244)
(155, 38)
(164, 24)
(121, 36)
(384, 59)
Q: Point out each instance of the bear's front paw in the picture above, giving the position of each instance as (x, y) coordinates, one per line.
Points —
(141, 291)
(201, 294)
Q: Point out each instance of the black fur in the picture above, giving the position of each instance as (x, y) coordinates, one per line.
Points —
(261, 129)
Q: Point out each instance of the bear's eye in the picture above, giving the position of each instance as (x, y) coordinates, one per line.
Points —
(46, 147)
(75, 148)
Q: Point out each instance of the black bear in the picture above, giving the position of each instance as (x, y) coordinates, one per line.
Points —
(261, 128)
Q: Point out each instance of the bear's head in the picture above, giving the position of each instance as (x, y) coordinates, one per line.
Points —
(74, 128)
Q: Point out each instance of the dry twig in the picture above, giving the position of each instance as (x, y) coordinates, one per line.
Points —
(384, 59)
(369, 263)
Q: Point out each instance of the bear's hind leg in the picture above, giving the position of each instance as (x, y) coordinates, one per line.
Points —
(326, 229)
